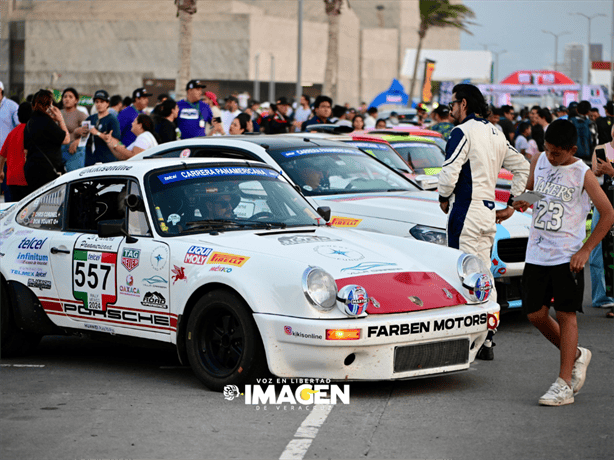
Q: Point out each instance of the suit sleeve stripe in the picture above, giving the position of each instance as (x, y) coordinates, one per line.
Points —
(457, 151)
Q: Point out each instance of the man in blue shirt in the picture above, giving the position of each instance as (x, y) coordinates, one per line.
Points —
(140, 101)
(8, 115)
(323, 109)
(193, 113)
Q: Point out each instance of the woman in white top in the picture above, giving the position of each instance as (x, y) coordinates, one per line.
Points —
(143, 128)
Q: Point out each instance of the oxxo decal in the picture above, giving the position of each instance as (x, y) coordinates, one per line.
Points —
(197, 255)
(94, 278)
(426, 326)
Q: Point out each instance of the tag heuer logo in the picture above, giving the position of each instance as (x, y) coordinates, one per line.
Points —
(130, 258)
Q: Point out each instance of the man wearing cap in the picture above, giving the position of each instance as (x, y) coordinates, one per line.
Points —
(232, 110)
(194, 114)
(140, 101)
(96, 149)
(442, 125)
(604, 124)
(281, 122)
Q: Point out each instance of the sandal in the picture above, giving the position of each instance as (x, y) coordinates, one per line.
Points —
(610, 314)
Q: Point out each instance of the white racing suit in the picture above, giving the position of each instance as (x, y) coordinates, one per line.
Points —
(475, 153)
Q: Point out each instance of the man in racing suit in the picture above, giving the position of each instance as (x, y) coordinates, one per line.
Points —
(475, 153)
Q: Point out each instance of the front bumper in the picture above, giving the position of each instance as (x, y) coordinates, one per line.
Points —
(447, 340)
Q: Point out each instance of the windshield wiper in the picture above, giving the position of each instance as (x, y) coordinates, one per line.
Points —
(226, 223)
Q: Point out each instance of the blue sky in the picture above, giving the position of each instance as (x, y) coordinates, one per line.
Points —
(516, 26)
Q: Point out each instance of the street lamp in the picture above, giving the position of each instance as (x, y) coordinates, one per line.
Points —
(588, 43)
(497, 53)
(556, 46)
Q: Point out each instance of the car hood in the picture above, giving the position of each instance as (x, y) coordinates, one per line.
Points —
(418, 207)
(385, 267)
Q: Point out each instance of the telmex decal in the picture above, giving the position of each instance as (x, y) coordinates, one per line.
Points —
(301, 239)
(227, 259)
(426, 326)
(197, 255)
(315, 151)
(344, 222)
(213, 172)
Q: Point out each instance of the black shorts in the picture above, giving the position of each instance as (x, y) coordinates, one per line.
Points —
(540, 284)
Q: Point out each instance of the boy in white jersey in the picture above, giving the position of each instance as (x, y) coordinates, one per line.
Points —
(555, 254)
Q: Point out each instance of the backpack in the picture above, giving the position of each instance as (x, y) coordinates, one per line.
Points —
(584, 137)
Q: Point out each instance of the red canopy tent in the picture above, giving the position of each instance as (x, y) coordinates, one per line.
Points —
(537, 77)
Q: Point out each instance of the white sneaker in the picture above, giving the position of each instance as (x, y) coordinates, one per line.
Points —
(578, 373)
(559, 394)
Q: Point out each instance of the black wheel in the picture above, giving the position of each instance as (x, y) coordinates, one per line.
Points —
(14, 341)
(223, 343)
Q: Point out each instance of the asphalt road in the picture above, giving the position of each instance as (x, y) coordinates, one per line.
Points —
(84, 399)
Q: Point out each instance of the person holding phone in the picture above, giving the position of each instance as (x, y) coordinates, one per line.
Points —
(601, 281)
(97, 150)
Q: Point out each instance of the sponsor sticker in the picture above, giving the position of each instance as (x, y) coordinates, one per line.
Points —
(179, 274)
(338, 252)
(227, 259)
(154, 300)
(344, 222)
(159, 257)
(39, 284)
(302, 239)
(197, 255)
(215, 172)
(219, 268)
(130, 258)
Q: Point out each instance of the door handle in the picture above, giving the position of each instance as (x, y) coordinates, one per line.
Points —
(59, 251)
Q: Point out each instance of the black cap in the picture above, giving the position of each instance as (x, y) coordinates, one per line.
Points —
(562, 108)
(102, 95)
(573, 105)
(194, 84)
(609, 107)
(283, 100)
(140, 92)
(232, 98)
(442, 110)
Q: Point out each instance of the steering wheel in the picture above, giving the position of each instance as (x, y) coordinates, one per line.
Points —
(354, 182)
(262, 215)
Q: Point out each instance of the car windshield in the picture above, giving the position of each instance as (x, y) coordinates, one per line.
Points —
(205, 199)
(420, 155)
(384, 153)
(337, 170)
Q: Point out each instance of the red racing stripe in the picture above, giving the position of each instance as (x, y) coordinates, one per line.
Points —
(393, 291)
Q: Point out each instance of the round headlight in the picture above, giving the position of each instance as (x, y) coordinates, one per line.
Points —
(468, 264)
(320, 288)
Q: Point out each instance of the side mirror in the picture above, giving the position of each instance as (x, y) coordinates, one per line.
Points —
(324, 211)
(134, 203)
(112, 228)
(427, 182)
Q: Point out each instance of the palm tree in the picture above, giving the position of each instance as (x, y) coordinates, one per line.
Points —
(333, 10)
(185, 10)
(439, 13)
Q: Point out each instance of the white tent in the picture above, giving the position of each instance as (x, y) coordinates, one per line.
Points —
(451, 65)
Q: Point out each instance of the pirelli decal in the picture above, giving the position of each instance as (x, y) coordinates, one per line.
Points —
(227, 259)
(421, 327)
(337, 221)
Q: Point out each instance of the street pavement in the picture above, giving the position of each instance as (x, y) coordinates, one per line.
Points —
(89, 399)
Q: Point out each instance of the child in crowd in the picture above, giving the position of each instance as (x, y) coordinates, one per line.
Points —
(555, 254)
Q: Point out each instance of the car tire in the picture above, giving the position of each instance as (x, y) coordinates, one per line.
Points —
(14, 342)
(223, 343)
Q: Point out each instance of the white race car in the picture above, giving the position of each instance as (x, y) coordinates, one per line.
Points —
(226, 261)
(363, 194)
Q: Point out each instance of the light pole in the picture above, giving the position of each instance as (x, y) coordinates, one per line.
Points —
(556, 46)
(497, 53)
(588, 43)
(299, 53)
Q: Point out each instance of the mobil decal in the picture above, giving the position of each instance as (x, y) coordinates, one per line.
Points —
(227, 259)
(337, 221)
(197, 255)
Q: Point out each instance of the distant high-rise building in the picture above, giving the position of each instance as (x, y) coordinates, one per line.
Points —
(574, 61)
(596, 53)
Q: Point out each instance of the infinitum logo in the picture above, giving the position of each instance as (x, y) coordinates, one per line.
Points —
(309, 393)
